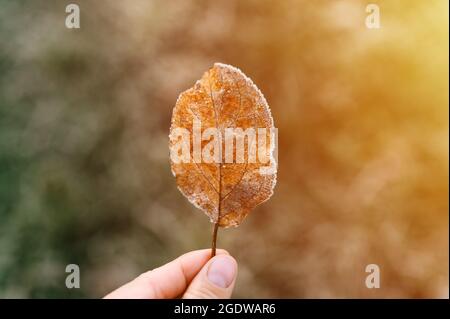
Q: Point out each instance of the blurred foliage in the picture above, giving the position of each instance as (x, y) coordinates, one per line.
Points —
(363, 144)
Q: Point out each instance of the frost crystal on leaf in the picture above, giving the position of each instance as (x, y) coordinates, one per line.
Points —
(223, 98)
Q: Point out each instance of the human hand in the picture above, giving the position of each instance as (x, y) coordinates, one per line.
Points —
(192, 275)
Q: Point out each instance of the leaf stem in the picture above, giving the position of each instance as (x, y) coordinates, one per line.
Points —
(214, 239)
(219, 210)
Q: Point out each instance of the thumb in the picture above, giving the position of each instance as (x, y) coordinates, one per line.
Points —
(215, 280)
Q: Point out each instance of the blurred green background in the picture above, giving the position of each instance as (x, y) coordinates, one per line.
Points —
(363, 144)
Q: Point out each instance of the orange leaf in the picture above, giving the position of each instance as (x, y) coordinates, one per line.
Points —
(222, 141)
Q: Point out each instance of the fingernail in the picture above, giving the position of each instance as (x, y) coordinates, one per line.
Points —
(222, 271)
